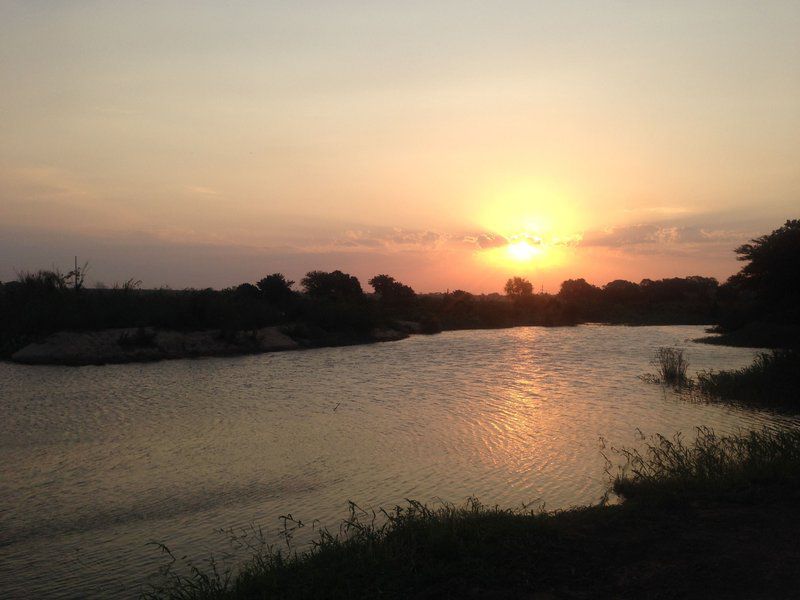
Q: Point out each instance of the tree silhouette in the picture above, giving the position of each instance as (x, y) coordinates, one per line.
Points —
(247, 290)
(276, 288)
(578, 290)
(390, 290)
(332, 286)
(518, 287)
(773, 269)
(621, 291)
(78, 275)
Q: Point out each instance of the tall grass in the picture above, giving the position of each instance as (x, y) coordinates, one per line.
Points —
(671, 366)
(772, 380)
(373, 554)
(710, 464)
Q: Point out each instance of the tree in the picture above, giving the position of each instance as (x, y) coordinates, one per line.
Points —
(578, 290)
(276, 288)
(78, 275)
(621, 291)
(773, 269)
(390, 290)
(332, 286)
(679, 289)
(247, 290)
(518, 287)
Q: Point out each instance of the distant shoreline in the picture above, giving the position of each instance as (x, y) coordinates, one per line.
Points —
(138, 345)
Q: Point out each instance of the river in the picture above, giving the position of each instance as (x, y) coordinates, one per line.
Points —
(95, 462)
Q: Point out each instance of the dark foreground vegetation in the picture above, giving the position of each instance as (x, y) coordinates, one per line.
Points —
(713, 518)
(771, 382)
(760, 305)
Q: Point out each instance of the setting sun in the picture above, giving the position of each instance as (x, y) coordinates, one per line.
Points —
(523, 250)
(533, 221)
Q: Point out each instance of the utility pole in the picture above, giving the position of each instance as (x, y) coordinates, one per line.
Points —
(75, 273)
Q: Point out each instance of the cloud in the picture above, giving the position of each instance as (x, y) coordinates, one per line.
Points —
(663, 211)
(486, 240)
(658, 235)
(425, 238)
(391, 239)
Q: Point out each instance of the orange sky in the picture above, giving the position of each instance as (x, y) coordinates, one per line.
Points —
(450, 144)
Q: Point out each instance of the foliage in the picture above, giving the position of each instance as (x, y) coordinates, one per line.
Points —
(517, 287)
(620, 291)
(773, 380)
(78, 276)
(670, 467)
(333, 302)
(276, 288)
(773, 269)
(390, 290)
(764, 296)
(333, 285)
(41, 282)
(44, 302)
(578, 290)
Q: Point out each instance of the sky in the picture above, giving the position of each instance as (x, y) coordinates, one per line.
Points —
(449, 144)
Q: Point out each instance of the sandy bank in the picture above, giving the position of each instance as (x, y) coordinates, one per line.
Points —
(149, 344)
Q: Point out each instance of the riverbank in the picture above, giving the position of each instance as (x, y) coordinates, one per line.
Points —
(771, 382)
(146, 344)
(755, 335)
(716, 518)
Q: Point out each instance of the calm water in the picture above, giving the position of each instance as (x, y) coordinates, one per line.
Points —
(95, 462)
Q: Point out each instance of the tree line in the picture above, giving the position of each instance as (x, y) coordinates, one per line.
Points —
(763, 294)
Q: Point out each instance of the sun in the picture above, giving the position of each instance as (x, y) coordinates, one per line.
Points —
(522, 250)
(539, 219)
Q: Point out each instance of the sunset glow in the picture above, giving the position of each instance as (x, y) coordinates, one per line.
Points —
(253, 137)
(475, 271)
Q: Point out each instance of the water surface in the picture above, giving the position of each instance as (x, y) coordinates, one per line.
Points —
(95, 462)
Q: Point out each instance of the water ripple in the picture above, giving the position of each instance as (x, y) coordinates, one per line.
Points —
(97, 461)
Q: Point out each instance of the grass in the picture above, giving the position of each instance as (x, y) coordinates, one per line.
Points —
(710, 465)
(773, 380)
(715, 517)
(671, 366)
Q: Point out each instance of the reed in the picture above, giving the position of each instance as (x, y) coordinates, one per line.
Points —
(773, 380)
(671, 366)
(670, 467)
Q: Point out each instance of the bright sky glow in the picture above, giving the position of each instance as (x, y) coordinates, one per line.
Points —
(522, 250)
